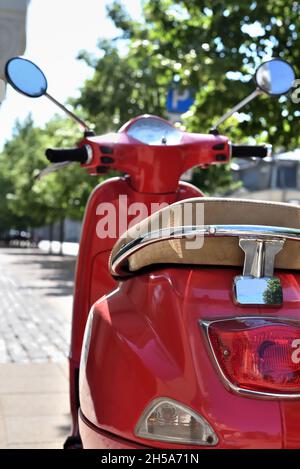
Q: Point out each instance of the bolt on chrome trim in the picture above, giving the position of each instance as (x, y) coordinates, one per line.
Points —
(258, 286)
(260, 256)
(257, 291)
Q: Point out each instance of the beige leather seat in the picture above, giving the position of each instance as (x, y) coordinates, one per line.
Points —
(216, 250)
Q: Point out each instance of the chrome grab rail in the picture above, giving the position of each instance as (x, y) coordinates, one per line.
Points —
(181, 232)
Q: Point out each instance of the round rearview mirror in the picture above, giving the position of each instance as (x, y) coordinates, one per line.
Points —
(26, 77)
(275, 77)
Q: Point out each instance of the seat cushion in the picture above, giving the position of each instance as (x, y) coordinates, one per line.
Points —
(222, 251)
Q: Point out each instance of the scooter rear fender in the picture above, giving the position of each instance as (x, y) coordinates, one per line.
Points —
(144, 341)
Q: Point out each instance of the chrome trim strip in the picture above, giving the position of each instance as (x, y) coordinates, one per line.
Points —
(181, 232)
(204, 324)
(89, 150)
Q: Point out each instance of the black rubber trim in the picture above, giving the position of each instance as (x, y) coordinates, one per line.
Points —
(219, 146)
(73, 442)
(101, 169)
(59, 155)
(107, 159)
(249, 151)
(221, 157)
(106, 150)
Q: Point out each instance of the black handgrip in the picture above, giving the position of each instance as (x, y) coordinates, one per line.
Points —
(58, 155)
(248, 151)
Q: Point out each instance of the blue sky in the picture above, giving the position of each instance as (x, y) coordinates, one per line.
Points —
(56, 31)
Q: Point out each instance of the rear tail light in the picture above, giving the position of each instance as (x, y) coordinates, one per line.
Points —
(257, 354)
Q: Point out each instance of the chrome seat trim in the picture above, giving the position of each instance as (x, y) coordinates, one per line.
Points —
(181, 232)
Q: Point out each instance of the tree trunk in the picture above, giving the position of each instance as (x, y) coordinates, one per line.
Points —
(61, 235)
(32, 237)
(50, 238)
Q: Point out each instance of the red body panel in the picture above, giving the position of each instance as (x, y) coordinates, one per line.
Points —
(93, 279)
(155, 169)
(93, 438)
(145, 342)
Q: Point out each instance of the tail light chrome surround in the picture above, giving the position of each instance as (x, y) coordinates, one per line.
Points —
(205, 325)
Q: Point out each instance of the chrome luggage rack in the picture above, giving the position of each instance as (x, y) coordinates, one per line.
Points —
(261, 244)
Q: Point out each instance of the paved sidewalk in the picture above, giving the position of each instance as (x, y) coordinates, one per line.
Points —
(35, 318)
(35, 307)
(34, 407)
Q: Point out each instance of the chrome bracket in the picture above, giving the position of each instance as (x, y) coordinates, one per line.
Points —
(258, 286)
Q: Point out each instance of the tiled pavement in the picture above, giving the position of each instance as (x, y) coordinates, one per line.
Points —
(35, 317)
(34, 407)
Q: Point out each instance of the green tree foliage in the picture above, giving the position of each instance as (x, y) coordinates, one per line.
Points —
(7, 218)
(17, 163)
(213, 47)
(32, 202)
(122, 87)
(273, 293)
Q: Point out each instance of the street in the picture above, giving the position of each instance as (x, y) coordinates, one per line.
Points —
(35, 319)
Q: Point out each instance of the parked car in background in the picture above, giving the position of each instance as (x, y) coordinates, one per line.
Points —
(275, 178)
(16, 237)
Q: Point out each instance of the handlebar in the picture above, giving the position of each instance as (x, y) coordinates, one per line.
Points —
(250, 151)
(93, 154)
(59, 155)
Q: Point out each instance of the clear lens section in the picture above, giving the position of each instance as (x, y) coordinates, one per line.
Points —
(168, 420)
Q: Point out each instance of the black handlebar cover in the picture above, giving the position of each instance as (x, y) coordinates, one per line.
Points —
(250, 151)
(59, 155)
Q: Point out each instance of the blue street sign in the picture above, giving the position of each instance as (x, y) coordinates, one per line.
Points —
(179, 101)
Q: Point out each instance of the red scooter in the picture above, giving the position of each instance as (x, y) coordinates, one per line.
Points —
(186, 319)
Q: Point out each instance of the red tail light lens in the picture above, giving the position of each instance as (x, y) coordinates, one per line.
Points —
(256, 354)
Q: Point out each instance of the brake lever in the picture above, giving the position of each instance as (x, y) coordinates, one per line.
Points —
(52, 169)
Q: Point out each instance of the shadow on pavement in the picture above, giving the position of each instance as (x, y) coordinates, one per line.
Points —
(52, 274)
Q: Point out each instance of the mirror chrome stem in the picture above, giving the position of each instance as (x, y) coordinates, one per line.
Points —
(67, 111)
(52, 169)
(237, 107)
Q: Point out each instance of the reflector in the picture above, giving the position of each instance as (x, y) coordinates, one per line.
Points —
(167, 420)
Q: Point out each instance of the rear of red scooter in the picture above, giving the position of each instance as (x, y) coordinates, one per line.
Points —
(158, 378)
(183, 356)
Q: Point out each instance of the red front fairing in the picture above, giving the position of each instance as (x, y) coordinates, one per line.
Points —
(145, 342)
(155, 169)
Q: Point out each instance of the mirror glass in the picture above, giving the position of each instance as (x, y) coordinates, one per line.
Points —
(275, 77)
(26, 77)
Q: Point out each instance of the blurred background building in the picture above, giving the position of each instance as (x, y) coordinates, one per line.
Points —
(12, 33)
(276, 178)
